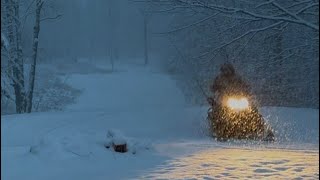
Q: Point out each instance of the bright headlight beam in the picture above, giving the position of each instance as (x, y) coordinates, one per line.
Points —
(238, 103)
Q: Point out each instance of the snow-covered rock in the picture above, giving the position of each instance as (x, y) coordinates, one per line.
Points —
(116, 137)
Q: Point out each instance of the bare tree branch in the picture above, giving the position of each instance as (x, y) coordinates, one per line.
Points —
(294, 15)
(232, 10)
(242, 36)
(51, 18)
(193, 24)
(307, 7)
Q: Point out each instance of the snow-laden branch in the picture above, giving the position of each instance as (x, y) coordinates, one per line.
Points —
(247, 43)
(264, 3)
(297, 19)
(4, 41)
(275, 60)
(242, 36)
(289, 49)
(232, 27)
(295, 16)
(234, 10)
(187, 26)
(51, 18)
(167, 10)
(307, 7)
(299, 3)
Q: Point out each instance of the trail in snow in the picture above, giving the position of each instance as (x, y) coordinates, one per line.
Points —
(166, 135)
(125, 90)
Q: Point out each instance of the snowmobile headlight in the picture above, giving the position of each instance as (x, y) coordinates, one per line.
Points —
(238, 104)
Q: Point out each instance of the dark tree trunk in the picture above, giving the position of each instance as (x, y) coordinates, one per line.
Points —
(32, 76)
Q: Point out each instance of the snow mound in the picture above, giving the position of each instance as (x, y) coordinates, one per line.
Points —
(134, 145)
(115, 137)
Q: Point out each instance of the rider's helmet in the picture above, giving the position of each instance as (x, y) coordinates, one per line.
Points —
(227, 69)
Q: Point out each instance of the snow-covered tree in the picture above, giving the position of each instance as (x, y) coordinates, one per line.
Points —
(15, 58)
(11, 38)
(274, 43)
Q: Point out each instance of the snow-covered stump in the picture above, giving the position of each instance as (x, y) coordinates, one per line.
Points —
(117, 141)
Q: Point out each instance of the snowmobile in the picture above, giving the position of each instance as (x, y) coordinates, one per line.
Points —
(236, 118)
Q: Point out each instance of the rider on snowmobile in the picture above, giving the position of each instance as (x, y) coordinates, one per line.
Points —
(229, 83)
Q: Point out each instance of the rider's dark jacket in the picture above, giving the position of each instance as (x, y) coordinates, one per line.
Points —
(229, 83)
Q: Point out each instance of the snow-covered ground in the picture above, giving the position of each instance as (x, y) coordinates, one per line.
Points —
(166, 138)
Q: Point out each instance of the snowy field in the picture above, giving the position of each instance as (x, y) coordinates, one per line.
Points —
(166, 137)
